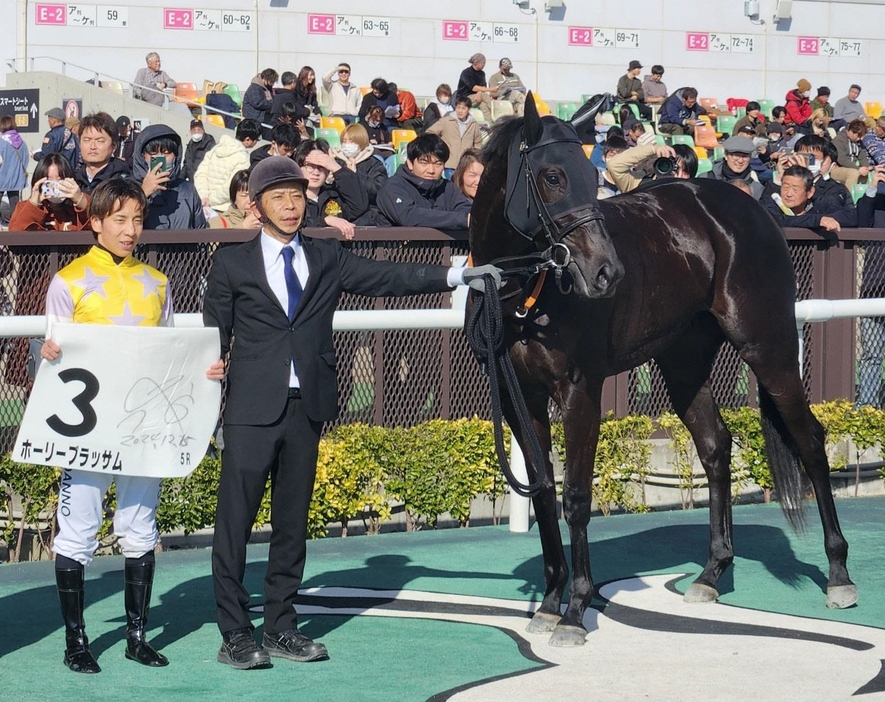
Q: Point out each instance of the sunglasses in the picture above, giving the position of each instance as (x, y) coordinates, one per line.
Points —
(343, 71)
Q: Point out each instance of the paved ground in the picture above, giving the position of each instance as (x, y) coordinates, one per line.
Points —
(441, 615)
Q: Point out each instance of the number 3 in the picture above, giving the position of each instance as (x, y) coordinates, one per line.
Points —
(81, 402)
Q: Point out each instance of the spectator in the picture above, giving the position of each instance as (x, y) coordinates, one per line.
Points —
(818, 155)
(472, 84)
(853, 162)
(59, 139)
(607, 186)
(779, 116)
(418, 196)
(797, 206)
(358, 155)
(282, 95)
(98, 141)
(199, 144)
(409, 117)
(771, 152)
(679, 112)
(60, 207)
(344, 97)
(736, 165)
(258, 98)
(381, 96)
(797, 105)
(646, 162)
(239, 215)
(873, 141)
(126, 143)
(754, 119)
(629, 90)
(822, 102)
(439, 108)
(654, 89)
(633, 131)
(212, 178)
(154, 79)
(469, 172)
(13, 164)
(173, 202)
(506, 85)
(306, 97)
(871, 214)
(848, 108)
(376, 127)
(330, 204)
(221, 102)
(284, 139)
(459, 131)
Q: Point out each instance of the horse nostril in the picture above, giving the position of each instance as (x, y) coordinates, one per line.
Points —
(603, 277)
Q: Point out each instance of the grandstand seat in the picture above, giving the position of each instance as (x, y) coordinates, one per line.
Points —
(705, 165)
(186, 93)
(543, 108)
(402, 136)
(478, 116)
(705, 135)
(501, 108)
(718, 153)
(740, 112)
(336, 123)
(588, 149)
(709, 104)
(565, 110)
(700, 151)
(857, 191)
(660, 140)
(114, 85)
(733, 103)
(606, 118)
(873, 109)
(217, 120)
(765, 107)
(365, 90)
(683, 139)
(233, 92)
(330, 135)
(725, 124)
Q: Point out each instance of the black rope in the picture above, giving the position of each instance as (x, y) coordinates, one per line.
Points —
(485, 334)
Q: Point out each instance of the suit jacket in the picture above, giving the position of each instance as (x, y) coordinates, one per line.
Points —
(262, 341)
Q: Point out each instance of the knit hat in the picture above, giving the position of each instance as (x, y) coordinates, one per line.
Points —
(272, 171)
(803, 85)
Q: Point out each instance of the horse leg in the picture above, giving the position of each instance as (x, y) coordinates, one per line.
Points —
(581, 415)
(796, 431)
(556, 573)
(686, 367)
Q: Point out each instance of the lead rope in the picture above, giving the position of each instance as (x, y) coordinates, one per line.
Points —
(485, 333)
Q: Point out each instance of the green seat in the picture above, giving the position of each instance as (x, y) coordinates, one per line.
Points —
(659, 140)
(765, 107)
(686, 139)
(634, 108)
(857, 191)
(330, 135)
(740, 112)
(718, 153)
(233, 92)
(565, 110)
(725, 124)
(705, 165)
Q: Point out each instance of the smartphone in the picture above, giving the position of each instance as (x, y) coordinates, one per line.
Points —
(787, 151)
(158, 161)
(50, 189)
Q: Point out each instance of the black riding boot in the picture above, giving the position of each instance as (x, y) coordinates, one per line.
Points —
(139, 578)
(78, 657)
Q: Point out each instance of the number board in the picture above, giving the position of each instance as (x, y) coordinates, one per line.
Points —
(376, 26)
(348, 25)
(627, 38)
(112, 16)
(481, 31)
(455, 30)
(152, 416)
(236, 21)
(580, 36)
(207, 20)
(50, 14)
(719, 42)
(807, 46)
(743, 43)
(697, 41)
(82, 15)
(506, 33)
(603, 37)
(850, 47)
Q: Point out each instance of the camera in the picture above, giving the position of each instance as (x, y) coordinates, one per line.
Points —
(665, 165)
(51, 190)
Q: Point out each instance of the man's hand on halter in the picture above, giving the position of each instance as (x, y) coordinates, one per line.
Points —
(474, 276)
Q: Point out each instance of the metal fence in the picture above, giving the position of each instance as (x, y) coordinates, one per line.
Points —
(394, 378)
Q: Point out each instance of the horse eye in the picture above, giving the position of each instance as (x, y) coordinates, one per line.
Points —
(552, 179)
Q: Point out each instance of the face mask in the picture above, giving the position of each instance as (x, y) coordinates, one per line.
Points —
(372, 123)
(774, 138)
(197, 137)
(444, 100)
(814, 168)
(350, 150)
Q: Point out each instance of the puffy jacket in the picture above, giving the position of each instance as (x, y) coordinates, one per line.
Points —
(13, 169)
(674, 111)
(797, 106)
(178, 206)
(409, 201)
(212, 179)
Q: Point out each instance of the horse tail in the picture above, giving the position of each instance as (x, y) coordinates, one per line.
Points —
(783, 461)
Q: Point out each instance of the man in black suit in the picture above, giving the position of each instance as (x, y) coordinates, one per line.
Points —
(272, 300)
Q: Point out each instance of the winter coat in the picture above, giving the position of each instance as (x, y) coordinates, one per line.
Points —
(212, 179)
(435, 112)
(851, 154)
(231, 219)
(409, 201)
(875, 148)
(756, 188)
(818, 208)
(305, 103)
(178, 206)
(449, 131)
(195, 153)
(797, 106)
(674, 111)
(758, 125)
(341, 101)
(62, 140)
(627, 86)
(370, 170)
(345, 197)
(282, 96)
(385, 101)
(13, 169)
(257, 101)
(116, 168)
(27, 218)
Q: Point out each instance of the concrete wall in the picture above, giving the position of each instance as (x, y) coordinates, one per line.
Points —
(418, 57)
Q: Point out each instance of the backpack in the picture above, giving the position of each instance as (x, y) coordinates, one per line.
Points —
(70, 148)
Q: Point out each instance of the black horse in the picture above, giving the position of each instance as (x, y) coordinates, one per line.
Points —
(668, 272)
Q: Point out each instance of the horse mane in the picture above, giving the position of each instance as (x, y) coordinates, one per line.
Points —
(498, 146)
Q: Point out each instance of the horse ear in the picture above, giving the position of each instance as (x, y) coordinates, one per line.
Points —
(532, 129)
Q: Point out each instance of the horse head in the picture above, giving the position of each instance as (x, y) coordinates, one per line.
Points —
(539, 187)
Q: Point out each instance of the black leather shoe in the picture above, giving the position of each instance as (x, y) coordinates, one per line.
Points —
(80, 659)
(239, 650)
(295, 646)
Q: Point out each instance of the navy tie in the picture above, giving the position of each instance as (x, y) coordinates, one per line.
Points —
(293, 285)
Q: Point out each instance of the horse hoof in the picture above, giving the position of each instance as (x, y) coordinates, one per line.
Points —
(698, 592)
(542, 623)
(568, 636)
(841, 596)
